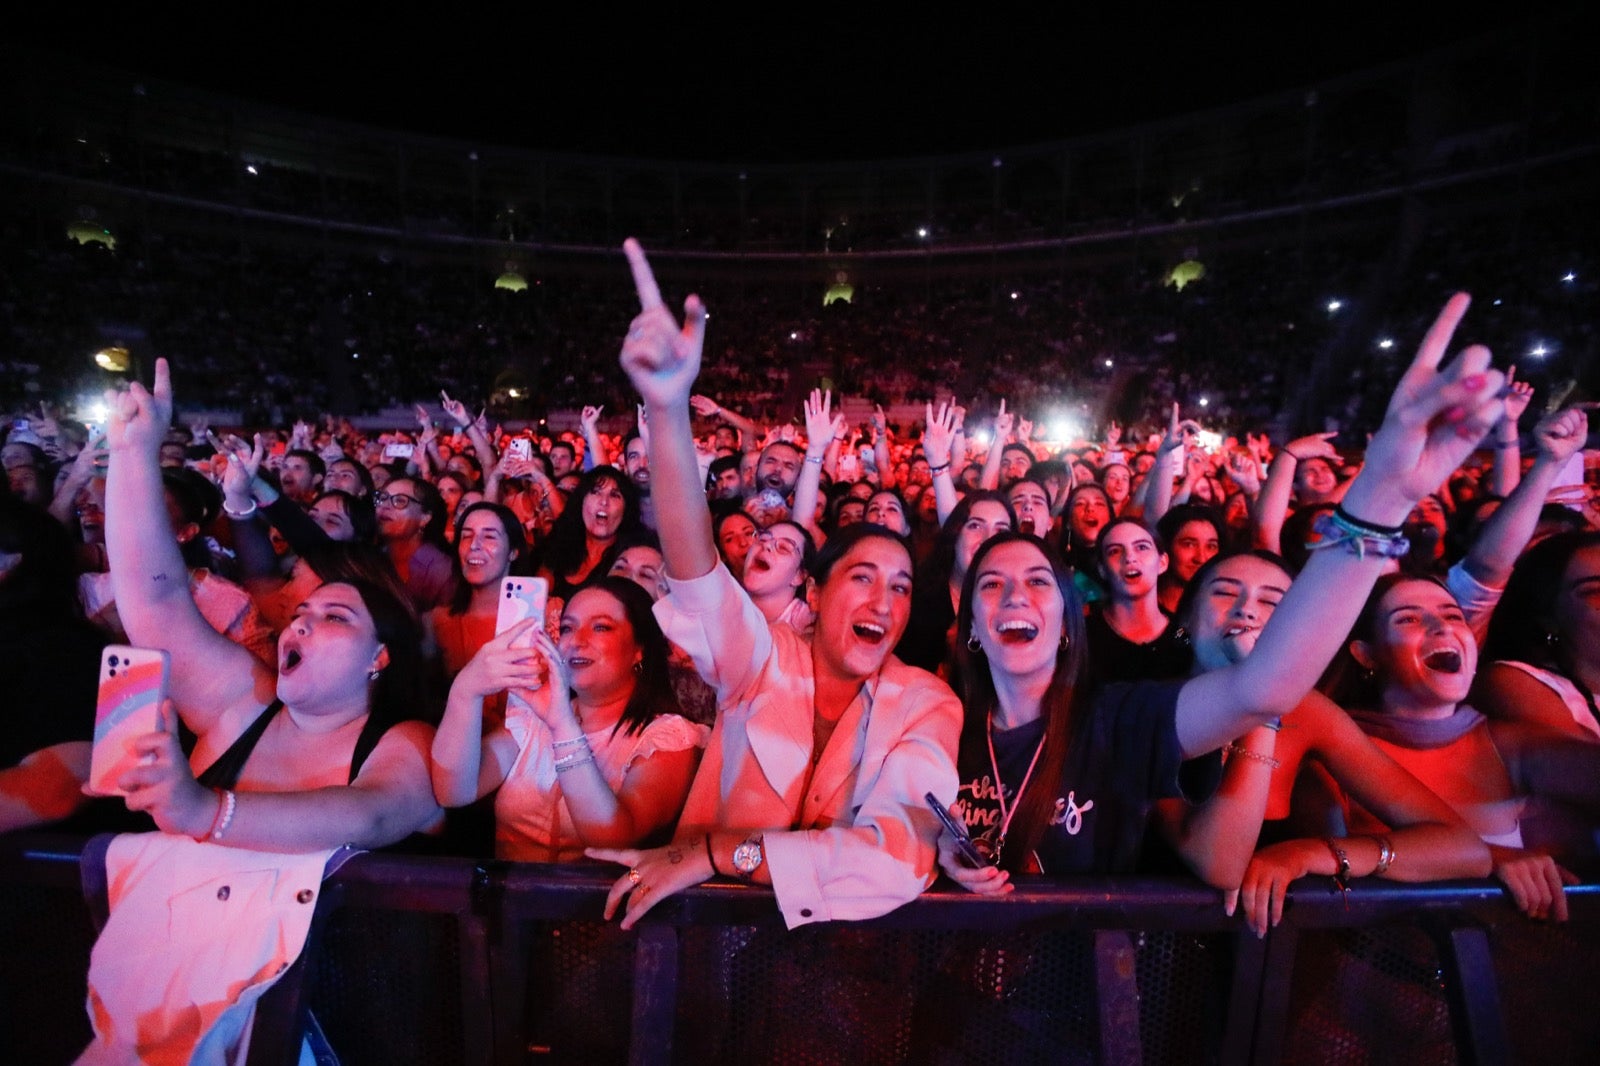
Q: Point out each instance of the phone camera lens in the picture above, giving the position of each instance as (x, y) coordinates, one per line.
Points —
(115, 661)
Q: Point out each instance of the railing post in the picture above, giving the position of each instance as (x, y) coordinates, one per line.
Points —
(655, 995)
(1244, 997)
(1117, 986)
(1277, 982)
(1473, 995)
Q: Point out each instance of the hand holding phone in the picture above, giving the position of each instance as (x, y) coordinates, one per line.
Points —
(133, 682)
(958, 830)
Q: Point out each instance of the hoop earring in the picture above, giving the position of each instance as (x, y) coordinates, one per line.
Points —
(638, 667)
(1551, 640)
(1065, 641)
(373, 675)
(974, 645)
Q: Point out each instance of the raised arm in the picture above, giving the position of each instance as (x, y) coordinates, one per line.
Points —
(1507, 447)
(706, 407)
(594, 452)
(1559, 436)
(822, 426)
(79, 474)
(1434, 420)
(990, 478)
(939, 440)
(662, 360)
(477, 433)
(880, 448)
(1273, 504)
(210, 673)
(1155, 492)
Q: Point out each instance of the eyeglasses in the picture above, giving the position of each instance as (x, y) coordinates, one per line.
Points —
(786, 548)
(398, 500)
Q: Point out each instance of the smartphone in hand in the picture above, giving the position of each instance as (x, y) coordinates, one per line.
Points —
(133, 682)
(957, 829)
(521, 597)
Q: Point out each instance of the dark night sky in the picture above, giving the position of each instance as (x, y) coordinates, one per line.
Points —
(771, 84)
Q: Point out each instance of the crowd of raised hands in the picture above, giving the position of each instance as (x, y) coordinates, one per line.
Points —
(756, 650)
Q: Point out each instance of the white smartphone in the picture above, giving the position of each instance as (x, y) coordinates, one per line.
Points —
(399, 451)
(133, 682)
(520, 448)
(521, 597)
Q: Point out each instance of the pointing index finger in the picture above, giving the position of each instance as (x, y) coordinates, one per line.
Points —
(643, 279)
(1437, 341)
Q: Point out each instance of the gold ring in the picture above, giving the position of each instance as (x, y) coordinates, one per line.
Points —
(634, 876)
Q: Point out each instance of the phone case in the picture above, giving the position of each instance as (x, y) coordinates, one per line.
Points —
(521, 597)
(133, 682)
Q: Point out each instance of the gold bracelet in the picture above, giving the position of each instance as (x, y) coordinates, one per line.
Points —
(1254, 756)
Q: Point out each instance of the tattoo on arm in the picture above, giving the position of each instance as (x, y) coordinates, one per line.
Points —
(674, 855)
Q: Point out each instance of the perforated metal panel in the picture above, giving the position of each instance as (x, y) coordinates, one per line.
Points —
(1369, 995)
(1546, 975)
(1184, 983)
(580, 992)
(386, 987)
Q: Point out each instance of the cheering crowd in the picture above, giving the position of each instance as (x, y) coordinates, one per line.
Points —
(765, 646)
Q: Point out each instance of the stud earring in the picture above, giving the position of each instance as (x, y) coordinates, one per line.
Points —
(638, 667)
(373, 675)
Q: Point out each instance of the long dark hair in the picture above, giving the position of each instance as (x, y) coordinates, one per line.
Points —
(363, 519)
(567, 546)
(652, 688)
(931, 613)
(1059, 707)
(1523, 628)
(516, 540)
(1346, 681)
(399, 693)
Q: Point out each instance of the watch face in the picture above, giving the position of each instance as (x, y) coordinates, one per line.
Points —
(746, 857)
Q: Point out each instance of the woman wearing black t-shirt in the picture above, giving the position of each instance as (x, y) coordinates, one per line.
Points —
(1075, 802)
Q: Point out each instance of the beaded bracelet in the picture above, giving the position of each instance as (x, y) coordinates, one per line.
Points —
(1253, 756)
(227, 802)
(563, 765)
(1334, 532)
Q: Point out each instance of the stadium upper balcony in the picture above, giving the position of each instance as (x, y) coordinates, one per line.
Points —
(1512, 103)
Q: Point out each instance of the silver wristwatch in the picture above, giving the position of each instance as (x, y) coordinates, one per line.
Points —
(747, 858)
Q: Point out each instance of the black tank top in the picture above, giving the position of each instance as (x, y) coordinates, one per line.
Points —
(224, 773)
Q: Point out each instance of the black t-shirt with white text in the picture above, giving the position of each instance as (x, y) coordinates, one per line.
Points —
(1123, 758)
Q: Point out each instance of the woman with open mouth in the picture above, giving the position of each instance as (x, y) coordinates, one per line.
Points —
(1265, 800)
(1058, 779)
(601, 518)
(592, 751)
(825, 746)
(1410, 664)
(272, 769)
(489, 545)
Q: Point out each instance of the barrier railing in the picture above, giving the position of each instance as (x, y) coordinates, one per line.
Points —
(447, 960)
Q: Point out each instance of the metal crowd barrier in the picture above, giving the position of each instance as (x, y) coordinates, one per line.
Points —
(435, 961)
